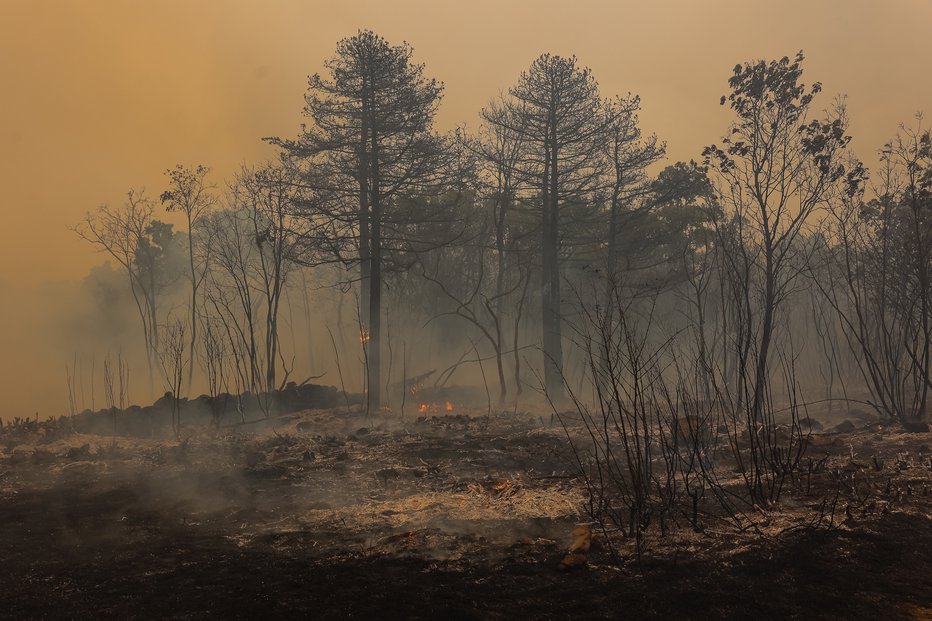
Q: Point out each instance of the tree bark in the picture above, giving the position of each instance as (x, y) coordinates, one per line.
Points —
(552, 337)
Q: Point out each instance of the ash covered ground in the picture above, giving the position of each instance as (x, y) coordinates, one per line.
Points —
(461, 514)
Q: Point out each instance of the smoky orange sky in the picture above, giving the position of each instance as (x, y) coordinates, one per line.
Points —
(102, 95)
(97, 96)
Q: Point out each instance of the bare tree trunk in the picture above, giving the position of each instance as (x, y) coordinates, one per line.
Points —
(365, 266)
(760, 375)
(519, 313)
(375, 319)
(553, 341)
(194, 286)
(375, 279)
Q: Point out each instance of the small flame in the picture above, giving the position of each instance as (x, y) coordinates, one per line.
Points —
(363, 334)
(425, 408)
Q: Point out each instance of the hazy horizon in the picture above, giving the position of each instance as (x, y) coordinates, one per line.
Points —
(102, 97)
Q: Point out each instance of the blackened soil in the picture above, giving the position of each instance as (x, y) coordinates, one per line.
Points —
(143, 533)
(197, 573)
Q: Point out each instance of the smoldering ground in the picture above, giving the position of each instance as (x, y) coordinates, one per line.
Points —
(323, 485)
(336, 512)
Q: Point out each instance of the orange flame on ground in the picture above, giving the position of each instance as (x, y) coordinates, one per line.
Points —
(424, 408)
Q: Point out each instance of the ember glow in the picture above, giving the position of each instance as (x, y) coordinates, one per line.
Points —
(425, 408)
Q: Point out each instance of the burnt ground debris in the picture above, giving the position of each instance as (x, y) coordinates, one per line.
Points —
(332, 513)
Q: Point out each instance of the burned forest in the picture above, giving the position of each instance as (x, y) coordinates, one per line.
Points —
(532, 360)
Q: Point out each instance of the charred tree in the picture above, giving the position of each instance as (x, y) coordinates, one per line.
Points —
(370, 145)
(556, 110)
(190, 194)
(774, 170)
(628, 158)
(144, 248)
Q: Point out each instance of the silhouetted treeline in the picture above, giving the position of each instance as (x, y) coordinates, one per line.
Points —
(513, 254)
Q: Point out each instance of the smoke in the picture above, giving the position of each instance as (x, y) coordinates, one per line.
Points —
(53, 330)
(58, 335)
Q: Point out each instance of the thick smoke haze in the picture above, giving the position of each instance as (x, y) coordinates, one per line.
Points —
(98, 97)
